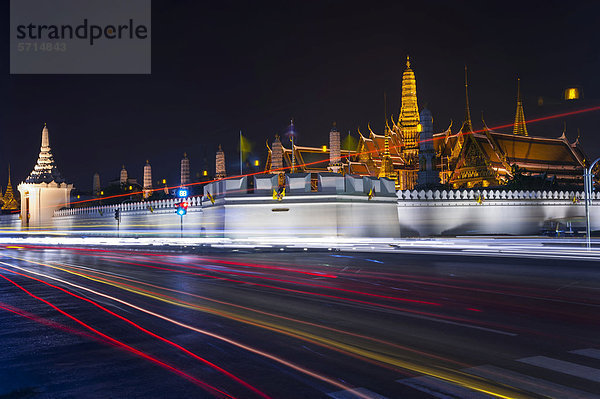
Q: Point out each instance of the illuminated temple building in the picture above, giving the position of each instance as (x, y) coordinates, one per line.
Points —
(9, 202)
(464, 159)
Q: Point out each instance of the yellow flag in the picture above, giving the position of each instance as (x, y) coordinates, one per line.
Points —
(245, 146)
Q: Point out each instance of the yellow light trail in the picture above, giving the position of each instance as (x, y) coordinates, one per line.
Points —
(192, 328)
(443, 373)
(230, 315)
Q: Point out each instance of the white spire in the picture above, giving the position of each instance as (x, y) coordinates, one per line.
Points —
(45, 170)
(45, 139)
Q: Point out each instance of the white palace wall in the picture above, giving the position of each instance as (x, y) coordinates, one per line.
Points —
(340, 208)
(472, 212)
(146, 218)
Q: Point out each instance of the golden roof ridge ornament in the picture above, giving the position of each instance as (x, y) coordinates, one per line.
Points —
(520, 126)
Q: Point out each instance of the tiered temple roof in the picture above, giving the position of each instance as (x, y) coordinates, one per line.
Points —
(467, 158)
(45, 170)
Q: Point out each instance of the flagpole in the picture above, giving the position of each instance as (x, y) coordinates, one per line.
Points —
(241, 171)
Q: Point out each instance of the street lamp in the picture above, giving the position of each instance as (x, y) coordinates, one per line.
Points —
(588, 184)
(119, 214)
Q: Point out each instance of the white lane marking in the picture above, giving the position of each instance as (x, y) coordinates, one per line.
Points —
(577, 370)
(528, 383)
(589, 352)
(189, 327)
(351, 394)
(442, 389)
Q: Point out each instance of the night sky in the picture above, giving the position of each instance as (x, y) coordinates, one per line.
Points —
(218, 67)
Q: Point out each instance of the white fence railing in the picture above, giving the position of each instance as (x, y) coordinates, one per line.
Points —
(129, 206)
(491, 195)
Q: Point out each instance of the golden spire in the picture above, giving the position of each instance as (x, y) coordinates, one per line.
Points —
(9, 198)
(408, 120)
(386, 151)
(467, 124)
(387, 167)
(519, 128)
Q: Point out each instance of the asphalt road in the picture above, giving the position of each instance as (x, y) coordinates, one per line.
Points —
(102, 323)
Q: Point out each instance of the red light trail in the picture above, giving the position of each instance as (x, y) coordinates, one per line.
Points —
(235, 378)
(277, 359)
(541, 119)
(131, 349)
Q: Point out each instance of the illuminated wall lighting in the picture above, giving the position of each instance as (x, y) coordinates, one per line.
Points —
(205, 173)
(256, 163)
(324, 148)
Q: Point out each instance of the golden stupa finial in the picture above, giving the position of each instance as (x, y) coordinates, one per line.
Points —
(407, 61)
(185, 154)
(147, 162)
(220, 149)
(520, 126)
(467, 124)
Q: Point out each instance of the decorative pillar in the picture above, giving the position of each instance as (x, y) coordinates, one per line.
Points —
(123, 177)
(96, 184)
(428, 176)
(185, 170)
(221, 173)
(335, 153)
(147, 190)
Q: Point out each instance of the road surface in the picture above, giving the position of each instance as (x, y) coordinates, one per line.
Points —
(109, 323)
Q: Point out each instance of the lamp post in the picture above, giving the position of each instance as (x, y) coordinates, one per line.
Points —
(588, 184)
(118, 214)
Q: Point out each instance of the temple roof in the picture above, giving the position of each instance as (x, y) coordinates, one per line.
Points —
(535, 149)
(45, 170)
(358, 168)
(509, 149)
